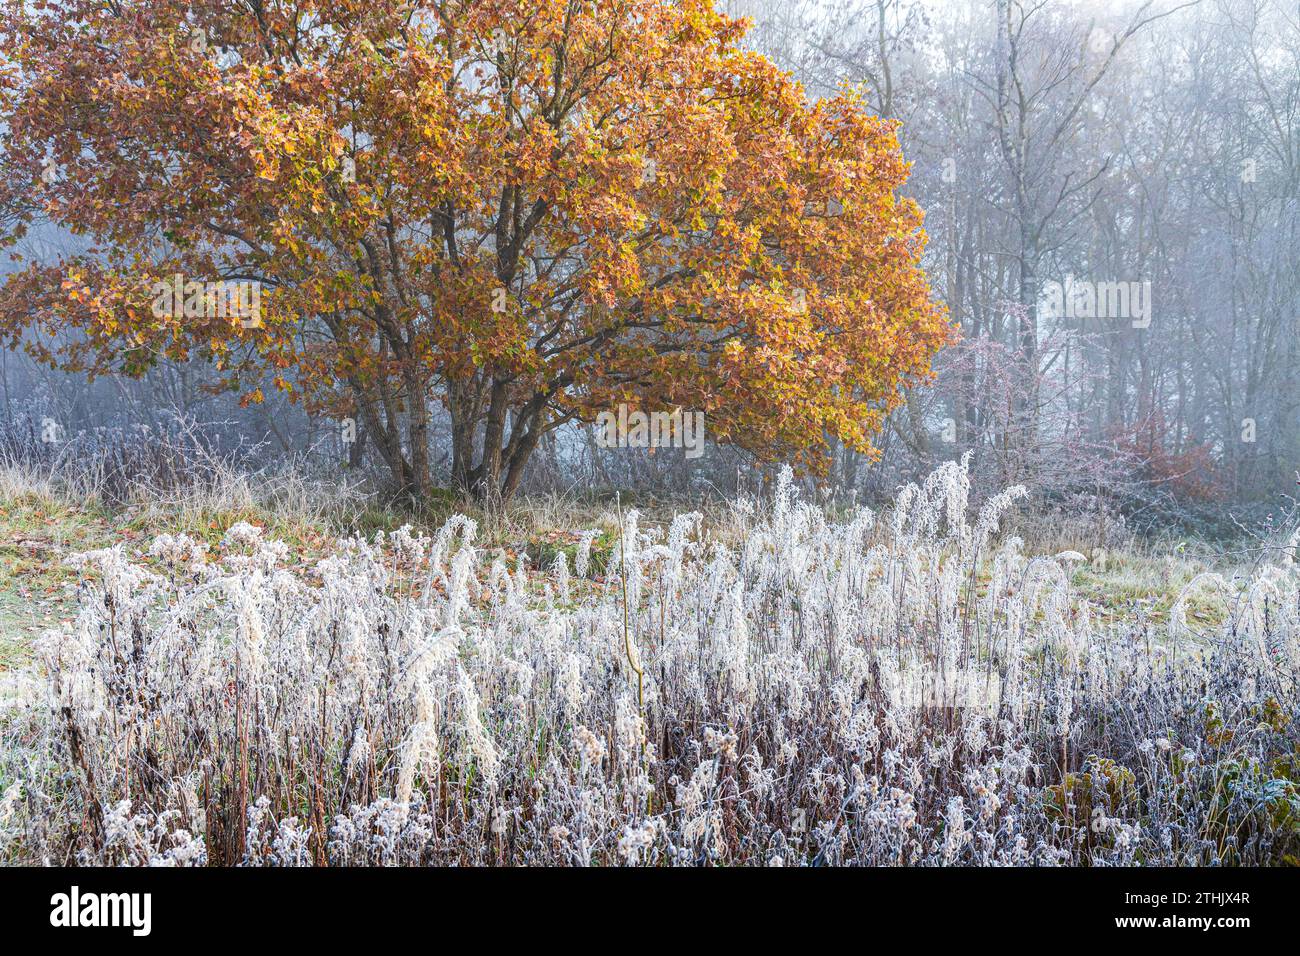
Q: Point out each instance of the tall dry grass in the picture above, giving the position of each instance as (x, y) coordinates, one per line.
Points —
(903, 688)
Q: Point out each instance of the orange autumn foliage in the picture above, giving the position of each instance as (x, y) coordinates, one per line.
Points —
(528, 210)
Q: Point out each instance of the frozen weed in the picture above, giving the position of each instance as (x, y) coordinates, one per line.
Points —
(904, 689)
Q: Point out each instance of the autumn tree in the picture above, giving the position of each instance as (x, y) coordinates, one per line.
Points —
(527, 210)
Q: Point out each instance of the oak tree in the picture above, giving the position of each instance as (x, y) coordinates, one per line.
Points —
(529, 211)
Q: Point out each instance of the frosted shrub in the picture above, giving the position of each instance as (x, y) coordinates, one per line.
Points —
(901, 689)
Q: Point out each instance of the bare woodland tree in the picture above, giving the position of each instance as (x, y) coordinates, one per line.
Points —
(1053, 142)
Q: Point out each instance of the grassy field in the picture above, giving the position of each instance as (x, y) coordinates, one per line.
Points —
(283, 674)
(41, 525)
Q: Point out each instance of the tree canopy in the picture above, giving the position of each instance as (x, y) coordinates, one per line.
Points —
(529, 211)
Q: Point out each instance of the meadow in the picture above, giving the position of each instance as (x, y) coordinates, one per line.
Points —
(236, 676)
